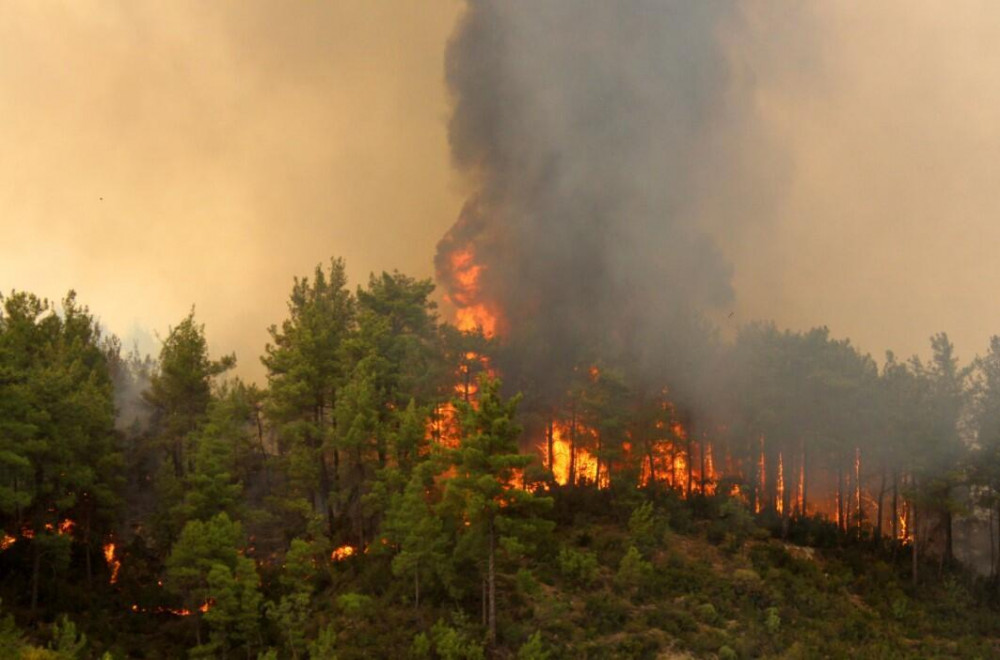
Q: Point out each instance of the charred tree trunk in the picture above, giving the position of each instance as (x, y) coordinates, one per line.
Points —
(786, 492)
(895, 505)
(949, 539)
(467, 372)
(913, 536)
(770, 478)
(690, 464)
(841, 526)
(550, 446)
(860, 514)
(572, 444)
(651, 482)
(701, 454)
(914, 531)
(878, 507)
(597, 458)
(804, 480)
(995, 542)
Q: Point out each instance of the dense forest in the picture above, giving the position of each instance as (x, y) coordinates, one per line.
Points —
(384, 495)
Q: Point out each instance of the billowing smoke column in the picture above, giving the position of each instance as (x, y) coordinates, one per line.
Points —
(590, 133)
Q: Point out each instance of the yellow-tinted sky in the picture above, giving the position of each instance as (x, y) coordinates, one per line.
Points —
(234, 144)
(155, 155)
(888, 114)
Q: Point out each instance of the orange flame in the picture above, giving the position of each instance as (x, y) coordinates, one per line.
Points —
(113, 563)
(6, 541)
(472, 313)
(583, 463)
(342, 553)
(779, 484)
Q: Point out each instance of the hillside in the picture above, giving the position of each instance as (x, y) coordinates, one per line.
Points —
(707, 582)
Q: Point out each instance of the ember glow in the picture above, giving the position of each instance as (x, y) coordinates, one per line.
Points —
(6, 541)
(114, 565)
(342, 553)
(182, 611)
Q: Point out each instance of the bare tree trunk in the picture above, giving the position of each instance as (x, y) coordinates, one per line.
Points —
(468, 381)
(995, 542)
(492, 617)
(895, 505)
(550, 441)
(36, 566)
(878, 507)
(599, 453)
(841, 526)
(690, 465)
(857, 490)
(90, 571)
(913, 537)
(572, 444)
(804, 479)
(786, 494)
(949, 536)
(324, 491)
(652, 466)
(701, 454)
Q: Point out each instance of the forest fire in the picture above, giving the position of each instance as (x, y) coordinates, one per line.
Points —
(596, 433)
(472, 313)
(175, 611)
(114, 564)
(568, 462)
(342, 553)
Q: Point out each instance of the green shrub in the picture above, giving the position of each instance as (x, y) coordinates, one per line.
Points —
(605, 613)
(354, 604)
(421, 647)
(324, 647)
(533, 649)
(526, 583)
(772, 621)
(452, 644)
(65, 642)
(645, 528)
(578, 566)
(633, 570)
(707, 613)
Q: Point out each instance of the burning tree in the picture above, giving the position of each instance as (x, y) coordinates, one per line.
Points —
(480, 494)
(59, 480)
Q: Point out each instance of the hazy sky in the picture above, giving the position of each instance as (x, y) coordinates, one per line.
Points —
(236, 144)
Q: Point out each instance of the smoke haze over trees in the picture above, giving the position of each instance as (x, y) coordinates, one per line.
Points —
(865, 132)
(638, 181)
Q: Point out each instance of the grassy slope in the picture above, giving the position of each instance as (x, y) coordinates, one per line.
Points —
(713, 588)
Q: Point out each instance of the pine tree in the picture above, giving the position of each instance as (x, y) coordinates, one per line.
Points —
(307, 364)
(483, 496)
(59, 468)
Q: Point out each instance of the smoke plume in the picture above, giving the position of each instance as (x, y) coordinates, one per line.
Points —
(591, 135)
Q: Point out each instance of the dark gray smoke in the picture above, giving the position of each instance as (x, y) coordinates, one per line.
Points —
(592, 133)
